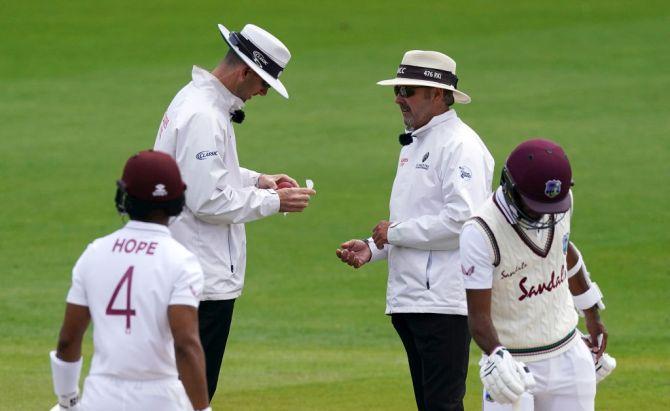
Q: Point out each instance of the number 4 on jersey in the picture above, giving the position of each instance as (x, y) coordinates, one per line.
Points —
(127, 312)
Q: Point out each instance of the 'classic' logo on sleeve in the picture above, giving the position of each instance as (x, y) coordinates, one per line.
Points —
(204, 154)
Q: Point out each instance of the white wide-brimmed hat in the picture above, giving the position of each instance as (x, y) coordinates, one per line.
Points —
(429, 69)
(261, 51)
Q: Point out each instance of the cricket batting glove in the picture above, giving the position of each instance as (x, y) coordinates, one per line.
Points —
(501, 376)
(526, 376)
(604, 367)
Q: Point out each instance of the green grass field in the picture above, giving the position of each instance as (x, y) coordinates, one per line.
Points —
(84, 85)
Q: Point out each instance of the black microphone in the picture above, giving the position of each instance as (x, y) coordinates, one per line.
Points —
(237, 116)
(405, 139)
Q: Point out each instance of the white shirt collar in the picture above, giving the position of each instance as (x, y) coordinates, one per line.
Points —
(439, 119)
(206, 80)
(142, 225)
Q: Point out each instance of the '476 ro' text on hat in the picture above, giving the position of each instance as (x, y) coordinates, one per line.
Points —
(428, 69)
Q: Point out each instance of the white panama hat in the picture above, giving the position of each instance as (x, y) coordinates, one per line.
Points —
(430, 69)
(261, 51)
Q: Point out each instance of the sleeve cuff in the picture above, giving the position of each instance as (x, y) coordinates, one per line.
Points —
(250, 178)
(193, 302)
(393, 234)
(270, 203)
(76, 300)
(377, 254)
(477, 286)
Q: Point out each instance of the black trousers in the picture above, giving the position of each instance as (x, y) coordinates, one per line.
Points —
(214, 318)
(438, 346)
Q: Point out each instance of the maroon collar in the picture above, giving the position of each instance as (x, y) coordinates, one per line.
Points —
(542, 252)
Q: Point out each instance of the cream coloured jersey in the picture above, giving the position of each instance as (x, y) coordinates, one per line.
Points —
(531, 304)
(127, 280)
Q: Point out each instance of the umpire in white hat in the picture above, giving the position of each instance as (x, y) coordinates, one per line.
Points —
(197, 131)
(444, 172)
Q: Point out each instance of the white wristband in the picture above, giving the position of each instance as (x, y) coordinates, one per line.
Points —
(588, 299)
(205, 409)
(65, 376)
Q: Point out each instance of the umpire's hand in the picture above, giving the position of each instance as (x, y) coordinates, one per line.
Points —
(354, 252)
(294, 200)
(380, 234)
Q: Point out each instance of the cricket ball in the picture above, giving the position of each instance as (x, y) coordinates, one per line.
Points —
(284, 184)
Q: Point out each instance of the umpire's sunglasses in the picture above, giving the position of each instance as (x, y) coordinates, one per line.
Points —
(405, 91)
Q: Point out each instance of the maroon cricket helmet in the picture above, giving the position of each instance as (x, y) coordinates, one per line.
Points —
(540, 172)
(152, 176)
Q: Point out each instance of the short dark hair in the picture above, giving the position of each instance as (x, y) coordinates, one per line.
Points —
(448, 97)
(141, 209)
(232, 59)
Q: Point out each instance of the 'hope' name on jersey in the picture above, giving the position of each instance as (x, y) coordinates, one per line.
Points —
(132, 246)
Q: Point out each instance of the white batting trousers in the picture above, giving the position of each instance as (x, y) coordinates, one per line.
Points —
(564, 382)
(103, 393)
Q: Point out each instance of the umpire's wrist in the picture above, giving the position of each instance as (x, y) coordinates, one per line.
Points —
(370, 244)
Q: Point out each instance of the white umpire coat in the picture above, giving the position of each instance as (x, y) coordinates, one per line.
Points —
(442, 176)
(220, 196)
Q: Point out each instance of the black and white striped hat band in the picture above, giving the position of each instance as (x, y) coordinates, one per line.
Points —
(428, 74)
(248, 48)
